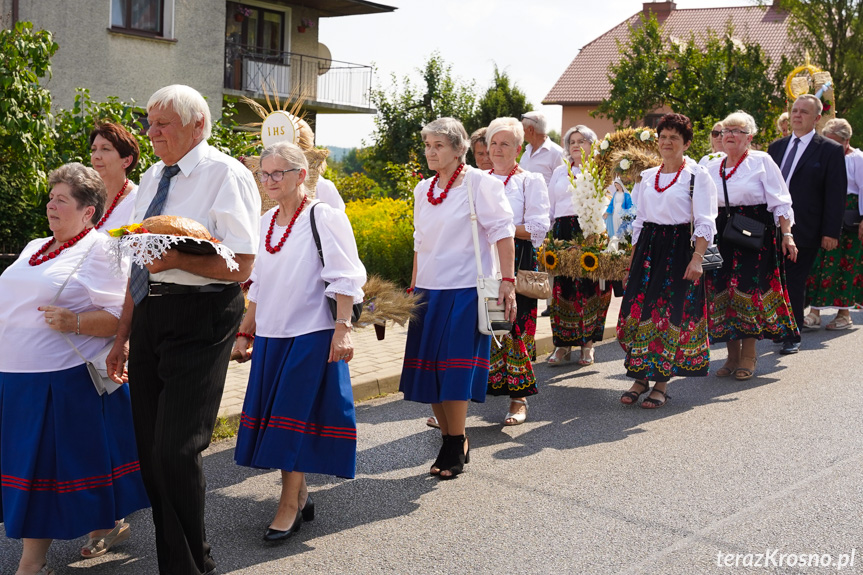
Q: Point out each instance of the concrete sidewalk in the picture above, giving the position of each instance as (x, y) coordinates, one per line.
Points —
(377, 365)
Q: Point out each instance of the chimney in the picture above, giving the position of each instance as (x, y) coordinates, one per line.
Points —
(662, 10)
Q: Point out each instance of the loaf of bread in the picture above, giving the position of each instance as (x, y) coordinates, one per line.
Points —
(176, 226)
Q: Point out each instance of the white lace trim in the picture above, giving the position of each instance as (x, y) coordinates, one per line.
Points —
(143, 249)
(784, 210)
(703, 231)
(537, 233)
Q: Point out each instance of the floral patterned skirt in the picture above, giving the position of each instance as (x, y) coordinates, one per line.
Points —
(579, 306)
(748, 297)
(662, 325)
(836, 280)
(511, 370)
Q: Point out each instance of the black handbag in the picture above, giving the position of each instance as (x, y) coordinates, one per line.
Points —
(712, 259)
(357, 309)
(741, 230)
(851, 221)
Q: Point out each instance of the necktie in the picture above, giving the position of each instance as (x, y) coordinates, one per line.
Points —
(141, 276)
(789, 161)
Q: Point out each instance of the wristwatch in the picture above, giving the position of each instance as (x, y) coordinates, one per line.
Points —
(346, 322)
(787, 235)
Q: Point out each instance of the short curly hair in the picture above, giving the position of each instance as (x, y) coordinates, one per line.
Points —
(85, 185)
(677, 122)
(124, 142)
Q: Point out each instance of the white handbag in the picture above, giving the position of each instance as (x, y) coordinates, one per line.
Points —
(491, 316)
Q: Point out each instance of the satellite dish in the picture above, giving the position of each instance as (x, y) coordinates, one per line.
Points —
(325, 59)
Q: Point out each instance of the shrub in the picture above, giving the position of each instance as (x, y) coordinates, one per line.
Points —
(384, 231)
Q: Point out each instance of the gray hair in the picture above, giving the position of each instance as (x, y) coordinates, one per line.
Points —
(586, 133)
(452, 130)
(86, 186)
(811, 98)
(538, 118)
(838, 127)
(741, 118)
(478, 137)
(186, 102)
(510, 125)
(289, 152)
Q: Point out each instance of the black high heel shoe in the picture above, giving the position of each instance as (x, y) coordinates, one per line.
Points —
(441, 457)
(456, 456)
(308, 509)
(275, 536)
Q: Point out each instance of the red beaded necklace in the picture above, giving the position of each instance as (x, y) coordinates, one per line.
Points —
(112, 206)
(38, 258)
(435, 201)
(278, 246)
(737, 165)
(511, 174)
(674, 181)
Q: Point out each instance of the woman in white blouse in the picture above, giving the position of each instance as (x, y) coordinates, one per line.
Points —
(511, 368)
(298, 414)
(446, 357)
(578, 306)
(747, 295)
(663, 324)
(69, 464)
(837, 276)
(114, 154)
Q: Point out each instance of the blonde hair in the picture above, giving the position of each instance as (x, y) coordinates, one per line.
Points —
(510, 125)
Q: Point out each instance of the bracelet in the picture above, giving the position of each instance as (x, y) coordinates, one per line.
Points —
(78, 320)
(245, 335)
(787, 235)
(345, 322)
(510, 280)
(699, 254)
(409, 290)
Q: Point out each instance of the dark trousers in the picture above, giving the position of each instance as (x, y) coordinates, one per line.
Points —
(179, 350)
(796, 274)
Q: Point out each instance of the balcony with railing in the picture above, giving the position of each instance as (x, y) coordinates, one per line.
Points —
(325, 85)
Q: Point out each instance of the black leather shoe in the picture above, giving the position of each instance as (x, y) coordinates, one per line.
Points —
(790, 347)
(274, 535)
(308, 509)
(546, 312)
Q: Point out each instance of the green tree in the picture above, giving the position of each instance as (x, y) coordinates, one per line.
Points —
(503, 99)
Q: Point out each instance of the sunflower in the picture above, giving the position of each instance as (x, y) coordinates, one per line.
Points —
(549, 259)
(589, 261)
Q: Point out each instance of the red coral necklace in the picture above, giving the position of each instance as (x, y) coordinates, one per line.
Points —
(674, 181)
(435, 201)
(38, 258)
(112, 206)
(511, 174)
(734, 169)
(278, 247)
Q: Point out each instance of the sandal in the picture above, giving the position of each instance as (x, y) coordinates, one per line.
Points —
(726, 370)
(744, 373)
(812, 321)
(98, 546)
(650, 403)
(840, 322)
(516, 418)
(457, 457)
(558, 358)
(632, 396)
(432, 422)
(440, 461)
(586, 356)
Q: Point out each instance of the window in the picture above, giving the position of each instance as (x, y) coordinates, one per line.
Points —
(139, 16)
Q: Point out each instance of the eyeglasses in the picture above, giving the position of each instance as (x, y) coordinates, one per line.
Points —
(277, 175)
(735, 133)
(716, 133)
(526, 117)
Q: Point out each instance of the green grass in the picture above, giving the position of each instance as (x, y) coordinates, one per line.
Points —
(226, 428)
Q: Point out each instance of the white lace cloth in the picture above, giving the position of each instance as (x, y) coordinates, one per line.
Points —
(143, 249)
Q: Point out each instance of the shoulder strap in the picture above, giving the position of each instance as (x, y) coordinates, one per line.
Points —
(473, 224)
(692, 204)
(62, 287)
(725, 190)
(315, 232)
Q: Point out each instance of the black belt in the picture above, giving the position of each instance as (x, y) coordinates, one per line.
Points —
(177, 289)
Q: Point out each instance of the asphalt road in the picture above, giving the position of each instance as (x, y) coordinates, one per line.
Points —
(770, 467)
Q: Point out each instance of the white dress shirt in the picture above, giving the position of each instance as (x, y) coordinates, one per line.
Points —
(123, 212)
(560, 194)
(326, 192)
(288, 286)
(215, 190)
(756, 181)
(801, 147)
(544, 160)
(528, 199)
(854, 170)
(442, 233)
(29, 344)
(673, 206)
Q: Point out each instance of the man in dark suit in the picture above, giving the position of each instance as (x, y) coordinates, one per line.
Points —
(814, 168)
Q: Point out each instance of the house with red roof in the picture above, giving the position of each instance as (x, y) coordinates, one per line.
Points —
(585, 82)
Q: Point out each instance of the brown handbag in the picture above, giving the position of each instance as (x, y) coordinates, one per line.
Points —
(535, 285)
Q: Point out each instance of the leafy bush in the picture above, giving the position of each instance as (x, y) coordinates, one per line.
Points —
(383, 228)
(356, 186)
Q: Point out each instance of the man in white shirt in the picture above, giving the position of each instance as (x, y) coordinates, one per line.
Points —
(541, 155)
(180, 319)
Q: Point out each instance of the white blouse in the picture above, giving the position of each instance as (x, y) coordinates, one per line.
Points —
(326, 191)
(528, 198)
(757, 180)
(29, 344)
(442, 233)
(559, 194)
(122, 214)
(854, 169)
(288, 286)
(673, 206)
(710, 157)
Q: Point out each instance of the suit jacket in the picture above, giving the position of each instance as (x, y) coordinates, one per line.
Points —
(818, 188)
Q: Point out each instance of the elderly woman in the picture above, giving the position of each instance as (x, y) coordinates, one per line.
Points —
(782, 125)
(579, 306)
(298, 415)
(662, 324)
(716, 148)
(747, 295)
(835, 281)
(479, 149)
(511, 368)
(446, 357)
(69, 463)
(114, 154)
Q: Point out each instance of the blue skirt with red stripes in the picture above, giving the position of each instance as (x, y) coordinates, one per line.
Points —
(298, 414)
(446, 358)
(68, 461)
